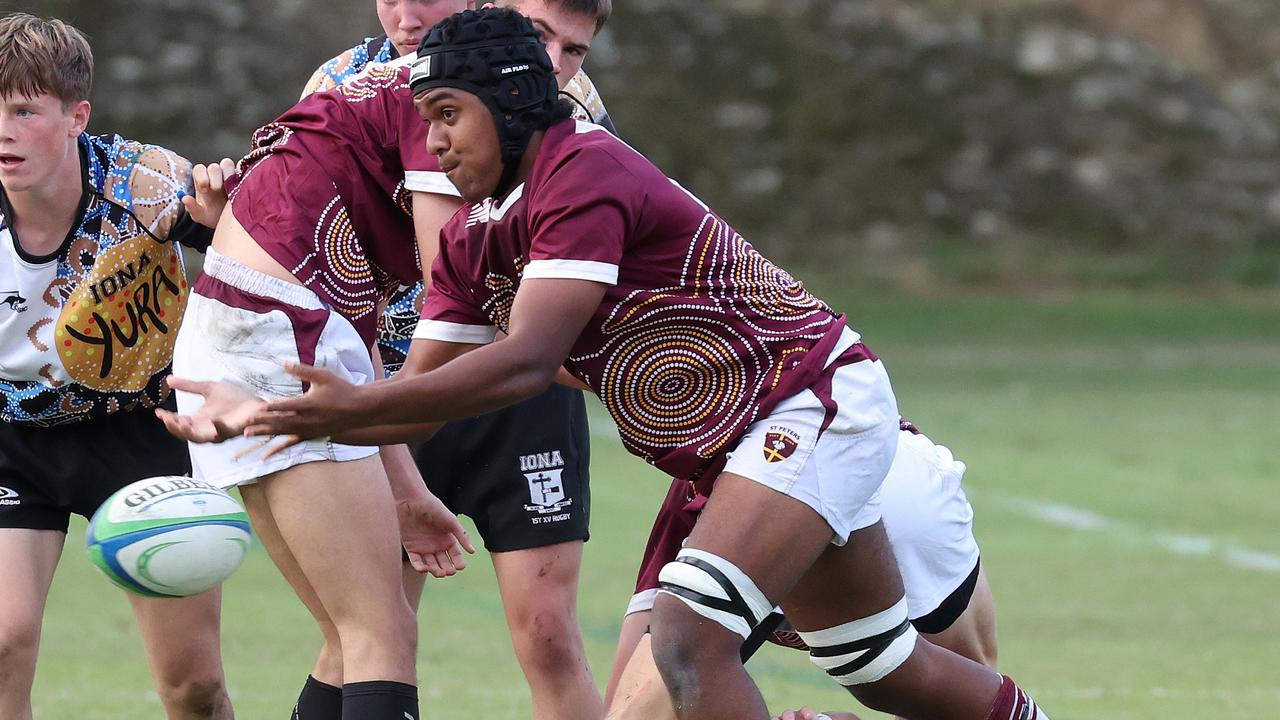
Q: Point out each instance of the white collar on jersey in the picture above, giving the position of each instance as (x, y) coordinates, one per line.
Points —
(498, 212)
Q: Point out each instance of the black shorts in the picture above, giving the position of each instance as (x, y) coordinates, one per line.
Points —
(519, 473)
(48, 473)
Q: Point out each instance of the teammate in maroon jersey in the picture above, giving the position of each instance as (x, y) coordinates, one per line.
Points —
(521, 472)
(317, 230)
(928, 520)
(716, 365)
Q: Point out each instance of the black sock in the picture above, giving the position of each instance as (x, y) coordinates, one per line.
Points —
(379, 700)
(318, 701)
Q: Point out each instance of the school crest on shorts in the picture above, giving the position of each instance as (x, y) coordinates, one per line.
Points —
(778, 446)
(546, 488)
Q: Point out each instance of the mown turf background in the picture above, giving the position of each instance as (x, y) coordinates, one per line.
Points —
(1123, 455)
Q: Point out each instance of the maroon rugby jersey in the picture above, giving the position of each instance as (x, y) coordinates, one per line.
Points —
(324, 191)
(697, 336)
(672, 526)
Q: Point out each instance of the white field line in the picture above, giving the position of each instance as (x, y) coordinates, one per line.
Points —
(1076, 518)
(1156, 357)
(1185, 544)
(1220, 695)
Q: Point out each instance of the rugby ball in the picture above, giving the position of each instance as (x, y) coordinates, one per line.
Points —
(168, 536)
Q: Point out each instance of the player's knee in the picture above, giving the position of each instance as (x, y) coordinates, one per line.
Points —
(696, 588)
(715, 589)
(858, 654)
(393, 626)
(987, 654)
(686, 656)
(329, 659)
(548, 637)
(19, 643)
(193, 693)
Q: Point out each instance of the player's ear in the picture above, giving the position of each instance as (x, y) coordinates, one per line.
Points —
(80, 116)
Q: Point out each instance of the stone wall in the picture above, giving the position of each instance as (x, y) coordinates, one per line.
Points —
(1021, 142)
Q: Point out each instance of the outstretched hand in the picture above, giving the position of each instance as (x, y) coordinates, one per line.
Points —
(328, 407)
(432, 536)
(224, 414)
(206, 205)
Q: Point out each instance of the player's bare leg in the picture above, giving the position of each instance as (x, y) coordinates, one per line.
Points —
(414, 584)
(973, 634)
(628, 658)
(933, 682)
(183, 642)
(321, 696)
(636, 692)
(328, 667)
(28, 559)
(539, 588)
(352, 567)
(783, 546)
(771, 538)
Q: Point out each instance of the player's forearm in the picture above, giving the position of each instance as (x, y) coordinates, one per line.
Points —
(388, 435)
(402, 472)
(480, 381)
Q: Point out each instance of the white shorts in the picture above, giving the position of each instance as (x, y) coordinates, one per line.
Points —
(240, 325)
(929, 522)
(838, 470)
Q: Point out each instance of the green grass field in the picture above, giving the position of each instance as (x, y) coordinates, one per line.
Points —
(1123, 456)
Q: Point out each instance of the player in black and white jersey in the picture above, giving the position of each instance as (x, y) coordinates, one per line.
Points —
(93, 292)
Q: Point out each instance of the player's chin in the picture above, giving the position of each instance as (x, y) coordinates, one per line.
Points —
(471, 194)
(472, 189)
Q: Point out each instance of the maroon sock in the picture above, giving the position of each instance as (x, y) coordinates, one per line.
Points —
(1012, 703)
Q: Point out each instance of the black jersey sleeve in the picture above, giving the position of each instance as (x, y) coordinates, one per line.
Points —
(189, 233)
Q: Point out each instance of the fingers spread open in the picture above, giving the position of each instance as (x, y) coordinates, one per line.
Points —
(286, 442)
(199, 387)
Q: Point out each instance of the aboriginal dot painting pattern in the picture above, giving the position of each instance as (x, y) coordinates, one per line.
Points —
(502, 296)
(367, 86)
(108, 319)
(395, 326)
(342, 263)
(338, 69)
(685, 365)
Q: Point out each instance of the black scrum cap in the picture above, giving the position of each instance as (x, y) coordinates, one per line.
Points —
(497, 55)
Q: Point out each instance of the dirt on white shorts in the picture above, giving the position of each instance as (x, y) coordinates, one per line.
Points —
(239, 327)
